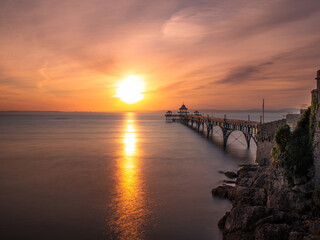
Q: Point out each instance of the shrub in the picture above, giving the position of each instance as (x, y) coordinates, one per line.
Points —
(294, 150)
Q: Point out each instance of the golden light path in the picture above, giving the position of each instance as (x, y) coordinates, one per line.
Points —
(129, 203)
(131, 89)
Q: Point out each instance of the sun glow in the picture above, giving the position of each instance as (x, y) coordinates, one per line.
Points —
(131, 89)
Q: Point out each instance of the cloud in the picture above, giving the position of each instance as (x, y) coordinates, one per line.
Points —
(260, 17)
(244, 73)
(205, 51)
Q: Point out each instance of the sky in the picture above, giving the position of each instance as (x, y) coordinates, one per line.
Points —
(70, 55)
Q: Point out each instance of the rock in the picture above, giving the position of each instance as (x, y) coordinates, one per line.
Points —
(222, 221)
(249, 167)
(277, 217)
(314, 228)
(299, 180)
(296, 236)
(239, 235)
(245, 177)
(260, 181)
(264, 161)
(266, 205)
(309, 238)
(231, 175)
(229, 182)
(250, 196)
(224, 191)
(286, 200)
(272, 231)
(306, 188)
(243, 218)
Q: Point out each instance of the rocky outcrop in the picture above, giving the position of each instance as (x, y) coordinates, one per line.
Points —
(231, 174)
(267, 206)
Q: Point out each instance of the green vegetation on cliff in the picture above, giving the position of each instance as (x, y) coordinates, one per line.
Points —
(294, 150)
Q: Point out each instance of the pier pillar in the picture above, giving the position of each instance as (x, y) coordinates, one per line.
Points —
(209, 129)
(248, 138)
(226, 133)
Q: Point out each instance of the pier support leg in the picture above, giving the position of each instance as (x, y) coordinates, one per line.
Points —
(226, 133)
(248, 138)
(209, 129)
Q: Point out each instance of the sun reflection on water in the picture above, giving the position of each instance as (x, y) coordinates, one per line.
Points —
(129, 202)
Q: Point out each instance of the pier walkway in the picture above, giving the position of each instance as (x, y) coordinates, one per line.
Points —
(206, 123)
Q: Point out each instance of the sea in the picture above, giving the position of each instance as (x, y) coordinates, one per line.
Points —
(111, 176)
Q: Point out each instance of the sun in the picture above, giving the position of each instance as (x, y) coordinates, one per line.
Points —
(130, 90)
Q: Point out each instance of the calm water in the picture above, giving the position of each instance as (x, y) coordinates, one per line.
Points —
(111, 176)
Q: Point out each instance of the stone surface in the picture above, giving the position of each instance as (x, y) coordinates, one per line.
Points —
(222, 221)
(224, 191)
(231, 175)
(267, 206)
(265, 137)
(272, 232)
(243, 218)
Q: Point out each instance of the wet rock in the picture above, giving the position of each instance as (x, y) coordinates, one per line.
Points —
(266, 205)
(231, 175)
(225, 191)
(239, 235)
(222, 221)
(229, 182)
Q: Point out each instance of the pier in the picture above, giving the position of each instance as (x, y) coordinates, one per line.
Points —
(207, 123)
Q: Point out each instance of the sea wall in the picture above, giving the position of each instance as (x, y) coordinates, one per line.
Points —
(292, 120)
(265, 140)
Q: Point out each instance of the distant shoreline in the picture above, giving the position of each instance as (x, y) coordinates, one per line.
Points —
(162, 111)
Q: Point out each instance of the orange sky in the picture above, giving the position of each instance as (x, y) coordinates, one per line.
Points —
(70, 55)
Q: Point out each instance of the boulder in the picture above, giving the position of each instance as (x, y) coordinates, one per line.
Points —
(243, 218)
(231, 175)
(250, 196)
(224, 191)
(296, 236)
(229, 181)
(239, 235)
(286, 200)
(272, 231)
(222, 221)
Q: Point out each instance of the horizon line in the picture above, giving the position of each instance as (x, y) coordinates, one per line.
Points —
(160, 111)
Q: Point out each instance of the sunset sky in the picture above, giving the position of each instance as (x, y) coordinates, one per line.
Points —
(71, 55)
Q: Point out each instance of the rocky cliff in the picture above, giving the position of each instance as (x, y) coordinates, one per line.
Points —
(267, 206)
(267, 202)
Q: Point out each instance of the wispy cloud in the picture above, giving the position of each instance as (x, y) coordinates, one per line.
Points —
(72, 53)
